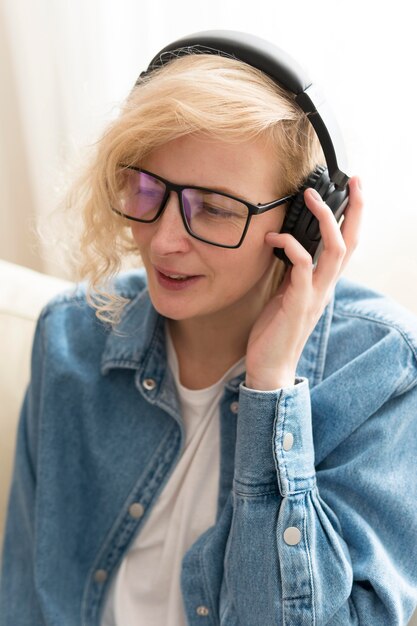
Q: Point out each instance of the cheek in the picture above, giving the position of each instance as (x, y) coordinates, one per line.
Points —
(273, 222)
(270, 223)
(255, 249)
(139, 235)
(256, 255)
(244, 267)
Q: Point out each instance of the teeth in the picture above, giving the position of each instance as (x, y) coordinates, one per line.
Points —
(177, 276)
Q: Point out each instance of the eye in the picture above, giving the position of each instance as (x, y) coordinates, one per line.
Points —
(149, 193)
(217, 211)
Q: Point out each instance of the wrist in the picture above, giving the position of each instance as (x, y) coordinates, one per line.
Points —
(269, 383)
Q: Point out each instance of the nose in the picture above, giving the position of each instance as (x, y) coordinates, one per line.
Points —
(170, 234)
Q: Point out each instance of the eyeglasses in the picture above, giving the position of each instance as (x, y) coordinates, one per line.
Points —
(217, 218)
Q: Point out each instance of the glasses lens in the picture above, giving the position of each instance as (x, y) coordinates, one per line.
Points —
(214, 217)
(141, 195)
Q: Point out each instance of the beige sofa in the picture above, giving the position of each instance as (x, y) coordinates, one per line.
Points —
(23, 293)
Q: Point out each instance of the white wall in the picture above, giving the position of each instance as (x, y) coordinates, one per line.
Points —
(71, 63)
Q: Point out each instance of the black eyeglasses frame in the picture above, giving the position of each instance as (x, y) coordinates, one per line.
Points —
(253, 209)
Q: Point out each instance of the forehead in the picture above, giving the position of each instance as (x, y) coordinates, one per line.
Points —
(245, 168)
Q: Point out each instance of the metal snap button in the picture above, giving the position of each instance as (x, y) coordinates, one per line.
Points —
(234, 407)
(202, 610)
(136, 510)
(100, 576)
(149, 384)
(288, 441)
(292, 536)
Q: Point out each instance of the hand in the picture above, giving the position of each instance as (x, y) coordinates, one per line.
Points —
(281, 331)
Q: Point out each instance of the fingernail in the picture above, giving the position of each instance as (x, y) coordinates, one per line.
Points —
(315, 194)
(359, 183)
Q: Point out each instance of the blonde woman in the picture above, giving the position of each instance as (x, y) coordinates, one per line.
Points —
(217, 437)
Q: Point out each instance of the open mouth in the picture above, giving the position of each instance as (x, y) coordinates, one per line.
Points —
(177, 276)
(175, 280)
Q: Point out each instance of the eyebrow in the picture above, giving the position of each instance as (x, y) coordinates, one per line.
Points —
(230, 192)
(220, 189)
(214, 187)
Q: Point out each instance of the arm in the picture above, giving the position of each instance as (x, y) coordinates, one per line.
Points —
(350, 556)
(319, 545)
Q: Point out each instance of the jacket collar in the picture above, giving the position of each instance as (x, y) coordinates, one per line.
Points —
(138, 342)
(140, 327)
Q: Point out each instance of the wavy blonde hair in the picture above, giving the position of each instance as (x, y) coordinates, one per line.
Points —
(219, 97)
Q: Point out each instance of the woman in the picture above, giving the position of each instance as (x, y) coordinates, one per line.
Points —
(216, 438)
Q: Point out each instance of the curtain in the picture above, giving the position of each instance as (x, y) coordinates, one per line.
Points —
(66, 66)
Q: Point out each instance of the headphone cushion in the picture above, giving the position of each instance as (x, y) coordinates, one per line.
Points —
(298, 219)
(298, 204)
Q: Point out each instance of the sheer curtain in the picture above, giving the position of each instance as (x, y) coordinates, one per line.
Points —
(66, 66)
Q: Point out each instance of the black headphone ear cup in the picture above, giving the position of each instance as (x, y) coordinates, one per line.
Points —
(296, 211)
(301, 223)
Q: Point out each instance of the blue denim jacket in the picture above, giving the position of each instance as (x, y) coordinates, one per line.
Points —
(322, 531)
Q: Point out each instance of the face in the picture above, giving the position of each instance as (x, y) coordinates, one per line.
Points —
(228, 279)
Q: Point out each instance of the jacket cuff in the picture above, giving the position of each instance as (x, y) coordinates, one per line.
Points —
(274, 440)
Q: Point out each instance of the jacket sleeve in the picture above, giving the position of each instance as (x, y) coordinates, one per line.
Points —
(332, 544)
(18, 599)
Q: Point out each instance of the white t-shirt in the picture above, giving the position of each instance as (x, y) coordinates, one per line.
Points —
(146, 588)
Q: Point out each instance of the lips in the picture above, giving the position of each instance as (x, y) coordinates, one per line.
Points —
(173, 273)
(180, 282)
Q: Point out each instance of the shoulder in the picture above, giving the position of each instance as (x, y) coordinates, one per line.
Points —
(366, 307)
(352, 299)
(370, 328)
(69, 315)
(74, 301)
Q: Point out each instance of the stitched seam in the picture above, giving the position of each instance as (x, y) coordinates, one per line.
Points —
(274, 436)
(310, 569)
(320, 353)
(243, 494)
(206, 580)
(282, 432)
(383, 322)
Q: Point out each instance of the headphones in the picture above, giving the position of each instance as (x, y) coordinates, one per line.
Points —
(330, 182)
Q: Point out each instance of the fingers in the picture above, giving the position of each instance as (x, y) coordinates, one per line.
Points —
(302, 264)
(334, 247)
(353, 218)
(338, 243)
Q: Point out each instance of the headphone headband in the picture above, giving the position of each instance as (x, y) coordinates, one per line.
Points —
(283, 69)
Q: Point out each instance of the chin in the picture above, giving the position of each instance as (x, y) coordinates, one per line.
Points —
(171, 310)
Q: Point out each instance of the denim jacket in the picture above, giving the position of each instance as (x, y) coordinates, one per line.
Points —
(317, 507)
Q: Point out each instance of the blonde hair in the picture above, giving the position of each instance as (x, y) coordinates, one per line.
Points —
(219, 97)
